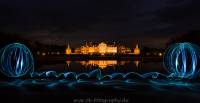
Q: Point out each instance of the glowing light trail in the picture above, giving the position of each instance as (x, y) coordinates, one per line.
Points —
(181, 60)
(16, 60)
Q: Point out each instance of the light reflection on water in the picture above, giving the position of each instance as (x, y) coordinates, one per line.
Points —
(147, 86)
(107, 66)
(102, 64)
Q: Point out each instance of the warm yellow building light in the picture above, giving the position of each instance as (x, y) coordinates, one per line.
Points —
(43, 54)
(68, 50)
(160, 54)
(101, 48)
(137, 50)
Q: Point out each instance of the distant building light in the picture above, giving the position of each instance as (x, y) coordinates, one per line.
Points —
(137, 50)
(160, 54)
(38, 53)
(43, 54)
(68, 50)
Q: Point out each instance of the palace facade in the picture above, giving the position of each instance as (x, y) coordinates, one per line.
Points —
(93, 48)
(103, 49)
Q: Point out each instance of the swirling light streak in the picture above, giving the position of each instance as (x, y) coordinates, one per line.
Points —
(16, 60)
(98, 75)
(181, 60)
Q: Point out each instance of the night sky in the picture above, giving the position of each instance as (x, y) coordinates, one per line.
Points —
(149, 22)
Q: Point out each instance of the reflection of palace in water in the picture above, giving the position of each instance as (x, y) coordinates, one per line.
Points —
(100, 63)
(103, 48)
(103, 63)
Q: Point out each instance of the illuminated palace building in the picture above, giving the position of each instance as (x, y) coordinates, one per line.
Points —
(102, 49)
(94, 48)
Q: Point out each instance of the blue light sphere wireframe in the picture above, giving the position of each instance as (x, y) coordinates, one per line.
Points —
(16, 60)
(181, 60)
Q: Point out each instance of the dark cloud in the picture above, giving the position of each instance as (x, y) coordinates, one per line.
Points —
(75, 21)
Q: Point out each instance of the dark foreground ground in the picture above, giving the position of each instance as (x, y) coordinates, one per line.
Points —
(62, 91)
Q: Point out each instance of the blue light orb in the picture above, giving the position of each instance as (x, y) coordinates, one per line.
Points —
(16, 60)
(181, 60)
